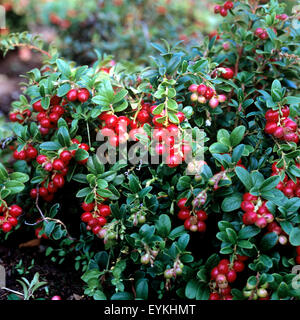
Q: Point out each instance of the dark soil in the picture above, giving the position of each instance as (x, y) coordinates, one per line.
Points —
(61, 279)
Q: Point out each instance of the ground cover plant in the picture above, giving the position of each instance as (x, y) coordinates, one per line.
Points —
(218, 216)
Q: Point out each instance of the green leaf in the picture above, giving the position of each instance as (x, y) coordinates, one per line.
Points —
(141, 289)
(237, 152)
(232, 203)
(295, 237)
(283, 290)
(237, 135)
(120, 96)
(177, 232)
(270, 183)
(244, 177)
(99, 295)
(51, 146)
(14, 186)
(218, 147)
(3, 173)
(81, 154)
(163, 225)
(63, 89)
(248, 232)
(191, 289)
(64, 136)
(268, 241)
(63, 67)
(183, 241)
(122, 296)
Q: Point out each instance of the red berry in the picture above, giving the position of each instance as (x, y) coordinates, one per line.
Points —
(48, 167)
(223, 12)
(209, 93)
(201, 226)
(33, 193)
(247, 206)
(261, 222)
(113, 141)
(51, 187)
(58, 164)
(37, 106)
(15, 210)
(43, 192)
(13, 221)
(201, 215)
(249, 197)
(83, 95)
(53, 117)
(228, 74)
(102, 221)
(217, 9)
(143, 116)
(45, 123)
(86, 217)
(72, 95)
(223, 268)
(214, 296)
(270, 127)
(58, 180)
(238, 266)
(202, 88)
(231, 276)
(249, 218)
(88, 206)
(111, 121)
(65, 156)
(214, 273)
(160, 149)
(228, 5)
(104, 210)
(31, 152)
(173, 160)
(181, 116)
(181, 203)
(6, 227)
(184, 214)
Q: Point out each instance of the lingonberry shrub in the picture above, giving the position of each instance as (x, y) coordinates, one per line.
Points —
(221, 227)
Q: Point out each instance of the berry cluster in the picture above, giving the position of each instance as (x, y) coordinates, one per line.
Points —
(193, 222)
(287, 186)
(58, 169)
(20, 116)
(48, 118)
(223, 10)
(282, 236)
(223, 274)
(27, 153)
(175, 271)
(149, 256)
(202, 93)
(261, 33)
(166, 140)
(255, 292)
(81, 95)
(256, 211)
(8, 216)
(281, 126)
(95, 216)
(282, 16)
